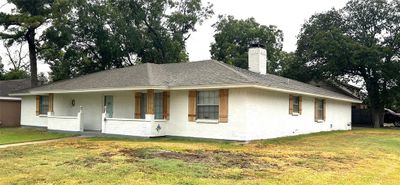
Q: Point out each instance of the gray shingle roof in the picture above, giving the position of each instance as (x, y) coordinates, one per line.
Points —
(10, 86)
(199, 73)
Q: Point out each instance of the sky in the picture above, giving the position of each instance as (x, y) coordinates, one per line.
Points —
(287, 15)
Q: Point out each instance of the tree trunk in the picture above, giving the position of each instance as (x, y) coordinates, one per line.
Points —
(378, 117)
(30, 37)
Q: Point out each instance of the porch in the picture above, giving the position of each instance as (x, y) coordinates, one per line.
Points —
(135, 113)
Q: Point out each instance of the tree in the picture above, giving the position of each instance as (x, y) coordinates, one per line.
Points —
(233, 38)
(15, 74)
(17, 58)
(90, 36)
(1, 69)
(361, 43)
(21, 25)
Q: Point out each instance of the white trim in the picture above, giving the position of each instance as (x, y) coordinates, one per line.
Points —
(320, 121)
(126, 119)
(208, 121)
(199, 87)
(63, 117)
(9, 98)
(42, 115)
(295, 114)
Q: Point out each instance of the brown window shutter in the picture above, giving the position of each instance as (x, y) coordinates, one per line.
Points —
(150, 101)
(300, 104)
(166, 96)
(324, 103)
(37, 105)
(51, 102)
(192, 105)
(138, 95)
(223, 105)
(290, 104)
(315, 110)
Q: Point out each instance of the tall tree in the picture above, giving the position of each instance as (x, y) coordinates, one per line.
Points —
(1, 69)
(89, 36)
(360, 41)
(21, 26)
(233, 38)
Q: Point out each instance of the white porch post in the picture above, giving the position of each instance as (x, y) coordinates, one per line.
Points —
(80, 118)
(103, 120)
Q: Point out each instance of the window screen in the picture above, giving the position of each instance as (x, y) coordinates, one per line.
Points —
(44, 105)
(296, 104)
(207, 104)
(158, 106)
(143, 106)
(320, 109)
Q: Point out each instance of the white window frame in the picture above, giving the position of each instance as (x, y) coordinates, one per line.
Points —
(199, 104)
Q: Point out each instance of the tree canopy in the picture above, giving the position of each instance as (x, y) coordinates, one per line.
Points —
(233, 38)
(89, 36)
(21, 25)
(359, 43)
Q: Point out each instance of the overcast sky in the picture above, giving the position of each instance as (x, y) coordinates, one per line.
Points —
(287, 15)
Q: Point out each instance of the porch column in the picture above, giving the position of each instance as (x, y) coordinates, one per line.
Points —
(150, 105)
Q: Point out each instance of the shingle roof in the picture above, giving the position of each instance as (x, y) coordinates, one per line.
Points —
(10, 86)
(199, 73)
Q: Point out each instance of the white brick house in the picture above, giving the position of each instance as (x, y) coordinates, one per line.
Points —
(205, 99)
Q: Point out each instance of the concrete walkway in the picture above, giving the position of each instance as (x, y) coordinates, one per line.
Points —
(42, 142)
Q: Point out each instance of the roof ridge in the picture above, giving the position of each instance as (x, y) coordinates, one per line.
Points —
(231, 68)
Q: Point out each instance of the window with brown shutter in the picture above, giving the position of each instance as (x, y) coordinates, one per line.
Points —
(138, 96)
(320, 110)
(192, 105)
(300, 105)
(150, 101)
(223, 105)
(37, 105)
(42, 105)
(166, 97)
(295, 105)
(51, 102)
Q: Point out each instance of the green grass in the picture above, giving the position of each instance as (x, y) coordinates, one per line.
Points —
(18, 135)
(358, 157)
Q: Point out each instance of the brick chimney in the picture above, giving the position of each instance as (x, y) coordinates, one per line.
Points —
(257, 59)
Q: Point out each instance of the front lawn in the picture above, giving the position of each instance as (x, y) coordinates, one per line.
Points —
(18, 135)
(365, 156)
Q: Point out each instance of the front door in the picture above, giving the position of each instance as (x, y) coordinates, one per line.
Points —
(108, 102)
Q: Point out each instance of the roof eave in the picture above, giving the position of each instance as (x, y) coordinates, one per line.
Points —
(190, 87)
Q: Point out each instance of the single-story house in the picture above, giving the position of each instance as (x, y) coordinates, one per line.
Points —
(204, 99)
(10, 107)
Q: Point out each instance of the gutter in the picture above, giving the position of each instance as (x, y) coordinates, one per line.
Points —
(350, 100)
(9, 98)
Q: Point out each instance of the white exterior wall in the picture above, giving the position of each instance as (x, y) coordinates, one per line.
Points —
(253, 114)
(235, 129)
(28, 113)
(92, 104)
(134, 127)
(268, 115)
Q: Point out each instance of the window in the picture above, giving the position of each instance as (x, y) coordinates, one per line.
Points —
(143, 105)
(296, 104)
(43, 104)
(320, 109)
(207, 105)
(158, 105)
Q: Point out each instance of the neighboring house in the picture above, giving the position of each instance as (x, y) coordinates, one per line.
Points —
(10, 107)
(205, 99)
